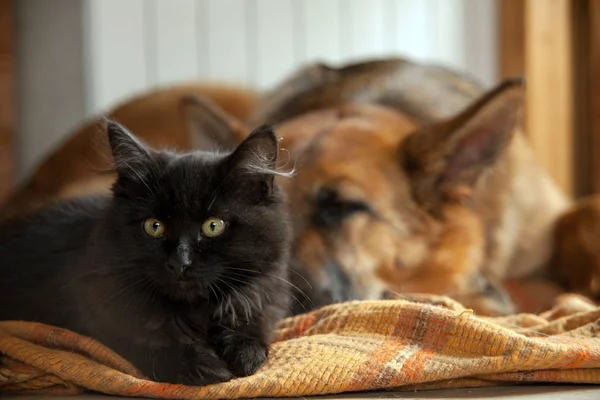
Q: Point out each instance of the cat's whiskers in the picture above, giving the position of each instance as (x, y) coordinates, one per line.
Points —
(312, 305)
(242, 218)
(277, 277)
(242, 298)
(125, 290)
(149, 289)
(139, 176)
(287, 292)
(217, 288)
(109, 271)
(301, 276)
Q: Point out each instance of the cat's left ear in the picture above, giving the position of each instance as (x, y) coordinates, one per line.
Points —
(256, 156)
(130, 156)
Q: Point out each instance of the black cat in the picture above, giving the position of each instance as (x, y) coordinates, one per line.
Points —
(182, 272)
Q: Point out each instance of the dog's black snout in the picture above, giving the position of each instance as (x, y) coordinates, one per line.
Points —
(340, 287)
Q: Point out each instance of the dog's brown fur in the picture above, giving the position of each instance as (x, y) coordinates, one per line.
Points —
(421, 235)
(79, 165)
(425, 92)
(576, 256)
(451, 205)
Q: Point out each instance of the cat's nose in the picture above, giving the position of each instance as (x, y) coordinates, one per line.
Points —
(177, 268)
(180, 261)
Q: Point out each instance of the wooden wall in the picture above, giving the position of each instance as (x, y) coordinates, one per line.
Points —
(551, 42)
(6, 96)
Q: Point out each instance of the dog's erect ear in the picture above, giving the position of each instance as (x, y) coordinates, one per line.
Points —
(209, 125)
(445, 160)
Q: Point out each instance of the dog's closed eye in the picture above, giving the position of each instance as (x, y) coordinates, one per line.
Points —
(331, 209)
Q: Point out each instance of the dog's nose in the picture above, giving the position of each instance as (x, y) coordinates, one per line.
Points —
(180, 261)
(339, 284)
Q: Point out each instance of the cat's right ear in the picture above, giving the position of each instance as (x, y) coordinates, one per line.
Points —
(209, 125)
(256, 161)
(129, 154)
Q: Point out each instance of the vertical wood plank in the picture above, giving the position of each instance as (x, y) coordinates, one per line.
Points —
(594, 87)
(177, 44)
(511, 42)
(321, 22)
(117, 62)
(511, 37)
(275, 41)
(362, 32)
(7, 99)
(228, 51)
(550, 86)
(583, 91)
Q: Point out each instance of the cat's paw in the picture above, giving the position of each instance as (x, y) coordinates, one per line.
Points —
(200, 366)
(203, 375)
(246, 356)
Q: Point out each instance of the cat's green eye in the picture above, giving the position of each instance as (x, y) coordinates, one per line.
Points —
(213, 227)
(154, 227)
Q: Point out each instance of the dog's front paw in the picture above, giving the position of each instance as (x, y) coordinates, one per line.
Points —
(245, 357)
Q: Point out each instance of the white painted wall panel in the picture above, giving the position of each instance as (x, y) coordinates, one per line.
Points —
(276, 45)
(320, 30)
(413, 35)
(446, 22)
(176, 43)
(228, 41)
(118, 65)
(362, 28)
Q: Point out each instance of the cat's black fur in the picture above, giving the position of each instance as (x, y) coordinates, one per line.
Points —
(87, 264)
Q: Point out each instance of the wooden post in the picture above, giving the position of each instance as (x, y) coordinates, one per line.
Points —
(593, 49)
(6, 96)
(511, 37)
(550, 100)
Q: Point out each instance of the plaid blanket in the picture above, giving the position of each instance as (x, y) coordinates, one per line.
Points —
(418, 342)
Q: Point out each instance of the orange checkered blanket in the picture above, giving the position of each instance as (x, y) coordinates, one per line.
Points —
(418, 342)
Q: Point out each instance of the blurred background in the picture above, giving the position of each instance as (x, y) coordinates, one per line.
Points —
(62, 61)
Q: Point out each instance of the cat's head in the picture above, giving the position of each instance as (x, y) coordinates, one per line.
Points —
(195, 225)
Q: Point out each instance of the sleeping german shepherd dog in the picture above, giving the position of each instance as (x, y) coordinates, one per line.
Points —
(409, 179)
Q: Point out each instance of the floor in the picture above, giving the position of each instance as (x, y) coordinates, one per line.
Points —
(530, 392)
